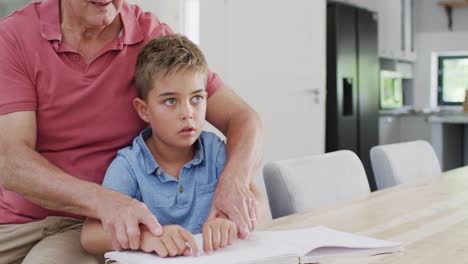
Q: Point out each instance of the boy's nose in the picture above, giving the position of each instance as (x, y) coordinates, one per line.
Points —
(187, 117)
(187, 113)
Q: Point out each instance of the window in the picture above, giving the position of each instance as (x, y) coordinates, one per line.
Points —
(452, 79)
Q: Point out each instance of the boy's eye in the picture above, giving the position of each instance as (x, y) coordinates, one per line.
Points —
(170, 101)
(197, 98)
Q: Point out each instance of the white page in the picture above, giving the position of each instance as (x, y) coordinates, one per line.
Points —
(266, 245)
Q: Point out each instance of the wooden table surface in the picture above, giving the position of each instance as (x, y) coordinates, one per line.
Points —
(430, 218)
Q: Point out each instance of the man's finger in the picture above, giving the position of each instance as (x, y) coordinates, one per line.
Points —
(246, 212)
(121, 235)
(213, 213)
(133, 234)
(252, 213)
(240, 221)
(151, 222)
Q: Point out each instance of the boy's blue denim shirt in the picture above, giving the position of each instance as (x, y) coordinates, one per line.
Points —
(186, 201)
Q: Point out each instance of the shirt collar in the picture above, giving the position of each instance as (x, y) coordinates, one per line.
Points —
(49, 17)
(150, 162)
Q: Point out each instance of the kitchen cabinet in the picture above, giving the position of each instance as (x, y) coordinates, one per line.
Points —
(415, 127)
(389, 130)
(402, 128)
(396, 29)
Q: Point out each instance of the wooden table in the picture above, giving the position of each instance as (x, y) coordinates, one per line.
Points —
(430, 218)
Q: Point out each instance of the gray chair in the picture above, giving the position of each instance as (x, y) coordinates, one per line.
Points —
(297, 185)
(406, 162)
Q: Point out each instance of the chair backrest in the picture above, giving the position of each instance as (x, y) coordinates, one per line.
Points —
(310, 182)
(394, 164)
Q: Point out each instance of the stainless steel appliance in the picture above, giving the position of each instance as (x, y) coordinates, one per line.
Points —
(352, 82)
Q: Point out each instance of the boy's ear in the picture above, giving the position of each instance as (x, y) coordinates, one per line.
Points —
(141, 108)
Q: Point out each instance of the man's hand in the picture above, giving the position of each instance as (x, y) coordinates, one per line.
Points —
(218, 233)
(175, 241)
(236, 200)
(121, 216)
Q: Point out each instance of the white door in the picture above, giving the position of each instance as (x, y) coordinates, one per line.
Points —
(272, 52)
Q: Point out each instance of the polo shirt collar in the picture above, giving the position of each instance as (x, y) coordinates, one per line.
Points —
(150, 162)
(49, 17)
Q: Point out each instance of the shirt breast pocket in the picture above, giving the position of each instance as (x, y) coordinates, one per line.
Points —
(204, 197)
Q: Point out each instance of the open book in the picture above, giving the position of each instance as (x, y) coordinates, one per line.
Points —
(294, 246)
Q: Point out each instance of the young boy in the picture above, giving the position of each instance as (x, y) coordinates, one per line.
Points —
(172, 166)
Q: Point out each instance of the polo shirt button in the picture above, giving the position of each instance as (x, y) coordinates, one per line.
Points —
(181, 188)
(158, 171)
(76, 57)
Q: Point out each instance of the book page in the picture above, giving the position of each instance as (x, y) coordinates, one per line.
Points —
(263, 246)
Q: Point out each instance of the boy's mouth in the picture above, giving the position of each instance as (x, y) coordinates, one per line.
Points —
(187, 131)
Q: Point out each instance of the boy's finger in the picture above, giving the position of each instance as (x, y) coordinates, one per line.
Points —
(187, 251)
(160, 248)
(232, 234)
(170, 246)
(207, 245)
(224, 236)
(216, 236)
(188, 237)
(179, 243)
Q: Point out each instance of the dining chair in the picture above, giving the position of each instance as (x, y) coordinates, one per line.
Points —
(305, 183)
(405, 162)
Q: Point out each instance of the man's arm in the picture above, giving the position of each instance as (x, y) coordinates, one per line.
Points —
(244, 131)
(24, 171)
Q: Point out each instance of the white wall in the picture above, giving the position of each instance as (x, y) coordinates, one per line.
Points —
(168, 11)
(430, 17)
(432, 36)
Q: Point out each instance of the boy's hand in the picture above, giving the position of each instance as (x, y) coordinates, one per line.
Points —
(174, 241)
(218, 233)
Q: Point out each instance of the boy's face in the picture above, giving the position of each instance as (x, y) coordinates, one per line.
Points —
(176, 108)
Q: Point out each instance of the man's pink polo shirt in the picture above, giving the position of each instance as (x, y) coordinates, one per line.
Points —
(84, 111)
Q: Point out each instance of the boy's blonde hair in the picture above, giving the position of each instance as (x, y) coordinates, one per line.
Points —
(165, 56)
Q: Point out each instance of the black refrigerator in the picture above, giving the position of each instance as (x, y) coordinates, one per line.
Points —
(352, 82)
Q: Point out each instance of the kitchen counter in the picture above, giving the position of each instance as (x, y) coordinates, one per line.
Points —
(454, 118)
(447, 130)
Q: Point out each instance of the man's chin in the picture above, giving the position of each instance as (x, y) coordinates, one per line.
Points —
(102, 21)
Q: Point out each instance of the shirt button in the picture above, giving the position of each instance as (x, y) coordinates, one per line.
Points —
(181, 188)
(159, 171)
(76, 57)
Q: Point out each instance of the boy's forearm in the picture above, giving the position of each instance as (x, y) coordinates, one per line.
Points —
(94, 239)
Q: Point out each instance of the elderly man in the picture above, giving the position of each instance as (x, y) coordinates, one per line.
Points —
(66, 87)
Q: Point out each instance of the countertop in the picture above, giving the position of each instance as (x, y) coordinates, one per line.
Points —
(450, 117)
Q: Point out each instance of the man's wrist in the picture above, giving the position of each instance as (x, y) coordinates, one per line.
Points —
(104, 198)
(236, 179)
